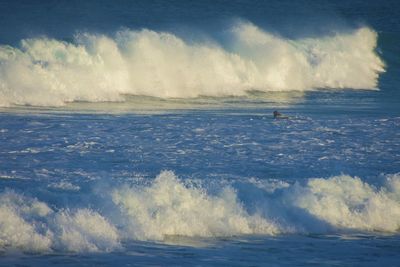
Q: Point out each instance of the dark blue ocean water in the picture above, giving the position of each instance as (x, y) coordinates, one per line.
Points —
(138, 133)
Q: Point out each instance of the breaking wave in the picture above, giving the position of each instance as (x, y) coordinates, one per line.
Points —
(31, 225)
(168, 206)
(93, 68)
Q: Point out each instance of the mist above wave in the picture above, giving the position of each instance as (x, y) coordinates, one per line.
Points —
(94, 68)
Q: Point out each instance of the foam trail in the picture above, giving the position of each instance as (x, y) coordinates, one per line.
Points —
(48, 72)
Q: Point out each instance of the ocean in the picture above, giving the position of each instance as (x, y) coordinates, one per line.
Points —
(141, 133)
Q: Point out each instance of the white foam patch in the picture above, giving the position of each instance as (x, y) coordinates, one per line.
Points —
(30, 225)
(169, 208)
(349, 203)
(16, 230)
(85, 230)
(64, 185)
(49, 72)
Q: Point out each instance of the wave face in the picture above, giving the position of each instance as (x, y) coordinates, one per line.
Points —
(93, 68)
(167, 206)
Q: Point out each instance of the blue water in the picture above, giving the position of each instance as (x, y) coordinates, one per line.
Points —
(141, 133)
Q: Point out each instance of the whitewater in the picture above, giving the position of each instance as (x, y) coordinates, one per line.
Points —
(72, 185)
(141, 133)
(168, 207)
(98, 68)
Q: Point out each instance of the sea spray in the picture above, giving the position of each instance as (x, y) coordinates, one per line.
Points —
(93, 68)
(19, 223)
(349, 203)
(167, 206)
(31, 225)
(85, 230)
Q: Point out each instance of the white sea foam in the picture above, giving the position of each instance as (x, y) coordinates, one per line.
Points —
(64, 185)
(349, 203)
(16, 228)
(48, 72)
(85, 230)
(30, 225)
(168, 206)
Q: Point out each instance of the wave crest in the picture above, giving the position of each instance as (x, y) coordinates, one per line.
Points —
(168, 207)
(93, 68)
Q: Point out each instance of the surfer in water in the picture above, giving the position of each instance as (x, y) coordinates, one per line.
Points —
(278, 115)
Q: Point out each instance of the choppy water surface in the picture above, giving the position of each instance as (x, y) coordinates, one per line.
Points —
(224, 186)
